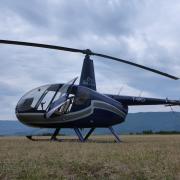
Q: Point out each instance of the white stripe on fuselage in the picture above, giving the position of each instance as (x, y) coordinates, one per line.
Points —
(72, 116)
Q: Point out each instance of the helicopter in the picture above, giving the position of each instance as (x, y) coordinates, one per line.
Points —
(67, 105)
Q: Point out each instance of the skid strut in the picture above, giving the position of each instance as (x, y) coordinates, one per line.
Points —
(56, 132)
(89, 133)
(115, 135)
(77, 131)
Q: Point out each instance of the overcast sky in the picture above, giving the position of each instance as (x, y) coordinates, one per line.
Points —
(145, 32)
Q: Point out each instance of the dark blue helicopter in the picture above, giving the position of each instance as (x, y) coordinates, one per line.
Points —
(79, 106)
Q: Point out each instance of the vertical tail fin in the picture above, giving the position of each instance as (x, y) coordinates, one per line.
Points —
(87, 74)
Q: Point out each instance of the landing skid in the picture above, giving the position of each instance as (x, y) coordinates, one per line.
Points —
(79, 135)
(30, 138)
(53, 137)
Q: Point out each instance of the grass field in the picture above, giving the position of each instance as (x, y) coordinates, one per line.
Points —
(137, 157)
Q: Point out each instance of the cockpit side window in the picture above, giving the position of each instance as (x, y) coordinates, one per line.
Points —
(82, 97)
(47, 97)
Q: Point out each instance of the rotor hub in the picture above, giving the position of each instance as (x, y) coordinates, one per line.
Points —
(87, 52)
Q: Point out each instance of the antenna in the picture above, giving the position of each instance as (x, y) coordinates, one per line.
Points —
(171, 108)
(121, 88)
(140, 94)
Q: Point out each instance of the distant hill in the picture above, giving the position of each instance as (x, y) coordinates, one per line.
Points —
(135, 123)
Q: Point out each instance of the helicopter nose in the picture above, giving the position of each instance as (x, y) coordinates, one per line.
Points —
(18, 115)
(16, 111)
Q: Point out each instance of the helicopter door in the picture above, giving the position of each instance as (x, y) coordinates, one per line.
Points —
(62, 100)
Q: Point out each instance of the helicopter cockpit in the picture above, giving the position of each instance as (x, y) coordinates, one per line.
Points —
(47, 99)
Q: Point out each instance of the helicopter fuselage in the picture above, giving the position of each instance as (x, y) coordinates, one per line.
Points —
(84, 108)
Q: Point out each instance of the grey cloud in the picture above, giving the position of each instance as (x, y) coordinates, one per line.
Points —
(6, 89)
(97, 17)
(33, 12)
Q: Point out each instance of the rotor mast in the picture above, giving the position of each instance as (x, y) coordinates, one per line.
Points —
(87, 73)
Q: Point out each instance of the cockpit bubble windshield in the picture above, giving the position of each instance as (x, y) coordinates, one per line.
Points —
(39, 99)
(30, 99)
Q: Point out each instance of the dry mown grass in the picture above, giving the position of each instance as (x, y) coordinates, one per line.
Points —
(138, 157)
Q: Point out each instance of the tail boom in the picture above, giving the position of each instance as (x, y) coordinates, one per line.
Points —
(135, 100)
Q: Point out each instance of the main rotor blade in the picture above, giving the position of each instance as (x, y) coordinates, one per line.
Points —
(88, 52)
(137, 65)
(21, 43)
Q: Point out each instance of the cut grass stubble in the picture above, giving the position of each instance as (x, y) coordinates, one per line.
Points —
(137, 157)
